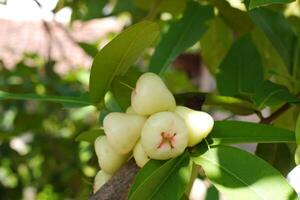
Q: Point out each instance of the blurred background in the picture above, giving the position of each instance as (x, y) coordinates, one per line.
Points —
(46, 47)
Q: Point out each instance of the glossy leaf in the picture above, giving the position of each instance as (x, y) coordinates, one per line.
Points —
(66, 101)
(277, 30)
(233, 132)
(218, 36)
(118, 56)
(272, 94)
(161, 180)
(181, 35)
(257, 3)
(240, 175)
(241, 70)
(89, 136)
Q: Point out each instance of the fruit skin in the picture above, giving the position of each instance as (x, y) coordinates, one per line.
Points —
(130, 110)
(109, 161)
(297, 155)
(140, 156)
(151, 95)
(123, 130)
(100, 179)
(199, 124)
(164, 136)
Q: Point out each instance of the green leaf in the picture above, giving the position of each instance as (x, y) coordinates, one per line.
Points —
(278, 155)
(233, 132)
(111, 104)
(181, 35)
(89, 136)
(273, 63)
(271, 94)
(170, 6)
(298, 131)
(178, 81)
(218, 36)
(122, 87)
(66, 101)
(277, 30)
(240, 175)
(212, 193)
(235, 105)
(161, 180)
(118, 56)
(257, 3)
(241, 70)
(238, 20)
(89, 49)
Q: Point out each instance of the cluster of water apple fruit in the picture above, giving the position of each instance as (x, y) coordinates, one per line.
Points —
(153, 127)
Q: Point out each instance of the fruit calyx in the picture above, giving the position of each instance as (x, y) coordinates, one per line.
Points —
(167, 139)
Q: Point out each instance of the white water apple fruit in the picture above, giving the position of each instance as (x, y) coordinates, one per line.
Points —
(123, 130)
(100, 179)
(164, 136)
(109, 160)
(140, 156)
(199, 124)
(151, 95)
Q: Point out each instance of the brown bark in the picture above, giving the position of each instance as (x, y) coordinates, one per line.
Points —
(119, 185)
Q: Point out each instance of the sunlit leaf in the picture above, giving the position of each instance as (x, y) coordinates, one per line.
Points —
(118, 56)
(161, 180)
(240, 175)
(218, 36)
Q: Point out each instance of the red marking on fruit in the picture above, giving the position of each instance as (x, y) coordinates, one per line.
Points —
(167, 139)
(133, 92)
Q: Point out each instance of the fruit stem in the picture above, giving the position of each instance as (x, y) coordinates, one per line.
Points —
(126, 85)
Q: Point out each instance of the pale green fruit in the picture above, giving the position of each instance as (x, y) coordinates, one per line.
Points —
(151, 95)
(100, 179)
(140, 156)
(123, 130)
(130, 110)
(164, 136)
(297, 155)
(199, 123)
(109, 160)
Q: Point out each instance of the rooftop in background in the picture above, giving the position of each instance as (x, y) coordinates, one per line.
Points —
(22, 29)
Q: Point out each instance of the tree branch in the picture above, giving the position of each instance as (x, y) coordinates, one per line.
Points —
(119, 185)
(275, 114)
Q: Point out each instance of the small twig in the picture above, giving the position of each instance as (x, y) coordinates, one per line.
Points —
(275, 114)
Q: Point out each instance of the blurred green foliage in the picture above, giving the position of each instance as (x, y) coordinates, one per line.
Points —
(38, 152)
